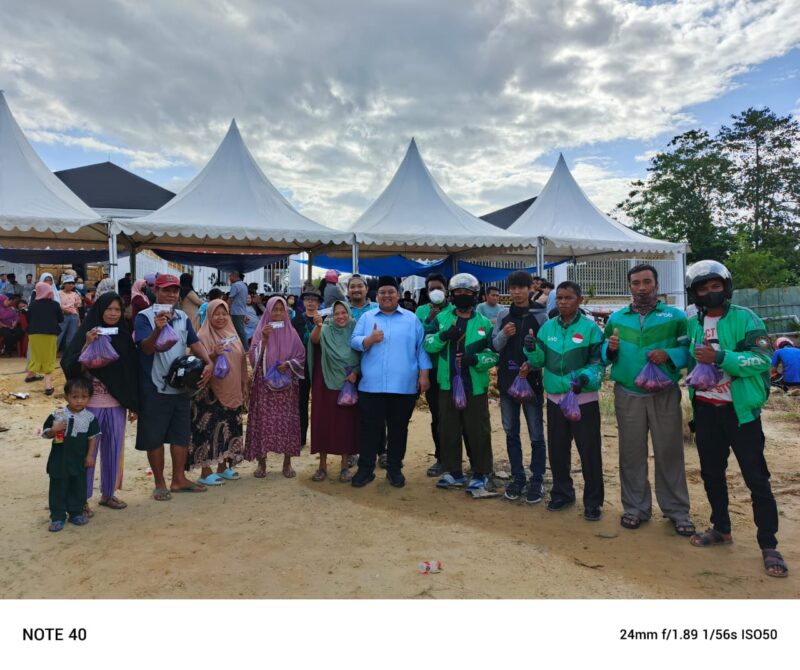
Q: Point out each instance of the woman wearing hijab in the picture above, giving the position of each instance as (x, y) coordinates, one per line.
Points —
(47, 278)
(334, 428)
(217, 435)
(139, 300)
(10, 329)
(105, 286)
(44, 325)
(115, 392)
(273, 420)
(190, 301)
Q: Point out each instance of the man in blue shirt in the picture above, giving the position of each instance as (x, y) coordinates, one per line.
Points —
(788, 356)
(238, 305)
(394, 369)
(165, 412)
(357, 297)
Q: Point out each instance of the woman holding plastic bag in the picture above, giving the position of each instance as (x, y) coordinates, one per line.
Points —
(217, 434)
(334, 369)
(568, 348)
(278, 358)
(104, 342)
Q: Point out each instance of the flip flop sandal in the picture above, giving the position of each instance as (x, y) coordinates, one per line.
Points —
(55, 526)
(35, 378)
(260, 474)
(162, 495)
(773, 559)
(630, 521)
(289, 473)
(49, 391)
(708, 538)
(346, 475)
(685, 528)
(318, 476)
(88, 511)
(211, 480)
(192, 488)
(113, 503)
(230, 474)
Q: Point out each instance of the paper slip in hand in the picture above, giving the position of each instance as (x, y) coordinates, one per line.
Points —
(102, 330)
(276, 324)
(158, 308)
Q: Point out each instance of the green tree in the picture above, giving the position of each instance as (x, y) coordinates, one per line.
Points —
(682, 199)
(759, 269)
(762, 150)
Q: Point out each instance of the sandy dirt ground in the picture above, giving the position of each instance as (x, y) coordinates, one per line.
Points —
(282, 538)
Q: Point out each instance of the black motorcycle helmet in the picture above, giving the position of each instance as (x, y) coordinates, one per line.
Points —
(185, 373)
(701, 272)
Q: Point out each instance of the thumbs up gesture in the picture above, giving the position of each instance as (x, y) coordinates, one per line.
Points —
(613, 341)
(375, 336)
(529, 342)
(705, 353)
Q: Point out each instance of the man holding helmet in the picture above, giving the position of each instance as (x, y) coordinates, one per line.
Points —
(463, 346)
(727, 416)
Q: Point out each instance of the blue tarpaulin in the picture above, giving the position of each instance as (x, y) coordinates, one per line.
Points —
(225, 262)
(400, 266)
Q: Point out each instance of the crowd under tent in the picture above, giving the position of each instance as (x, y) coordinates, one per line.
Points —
(37, 211)
(414, 216)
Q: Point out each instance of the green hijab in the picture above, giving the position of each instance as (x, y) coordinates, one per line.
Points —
(336, 352)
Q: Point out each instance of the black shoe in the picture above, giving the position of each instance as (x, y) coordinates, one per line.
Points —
(362, 478)
(396, 479)
(436, 470)
(535, 494)
(592, 513)
(514, 489)
(556, 505)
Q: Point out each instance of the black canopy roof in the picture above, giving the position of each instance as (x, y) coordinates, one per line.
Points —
(106, 185)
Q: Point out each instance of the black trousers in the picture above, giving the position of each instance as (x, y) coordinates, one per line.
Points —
(389, 412)
(455, 424)
(717, 431)
(432, 396)
(67, 494)
(305, 392)
(11, 337)
(586, 433)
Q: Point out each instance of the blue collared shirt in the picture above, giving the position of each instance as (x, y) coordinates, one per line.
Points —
(391, 366)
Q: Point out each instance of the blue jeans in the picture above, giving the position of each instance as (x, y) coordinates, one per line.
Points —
(69, 326)
(509, 411)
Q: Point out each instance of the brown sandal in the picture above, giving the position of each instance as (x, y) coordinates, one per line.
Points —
(772, 560)
(260, 473)
(114, 503)
(709, 538)
(319, 476)
(88, 511)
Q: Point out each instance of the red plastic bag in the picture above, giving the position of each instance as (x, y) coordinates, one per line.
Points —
(704, 377)
(166, 339)
(277, 380)
(459, 394)
(520, 390)
(652, 378)
(99, 353)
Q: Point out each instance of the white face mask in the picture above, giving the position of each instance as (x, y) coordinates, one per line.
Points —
(436, 296)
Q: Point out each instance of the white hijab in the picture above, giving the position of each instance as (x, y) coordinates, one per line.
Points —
(56, 297)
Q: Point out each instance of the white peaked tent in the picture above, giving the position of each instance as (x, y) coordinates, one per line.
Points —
(414, 215)
(229, 205)
(563, 222)
(36, 209)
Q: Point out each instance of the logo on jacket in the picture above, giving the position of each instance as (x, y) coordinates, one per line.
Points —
(577, 338)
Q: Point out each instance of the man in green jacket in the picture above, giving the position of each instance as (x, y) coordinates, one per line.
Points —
(727, 417)
(649, 331)
(462, 346)
(568, 348)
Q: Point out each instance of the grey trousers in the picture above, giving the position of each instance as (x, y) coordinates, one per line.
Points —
(660, 415)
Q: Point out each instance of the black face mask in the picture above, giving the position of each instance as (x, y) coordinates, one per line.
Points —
(463, 302)
(711, 300)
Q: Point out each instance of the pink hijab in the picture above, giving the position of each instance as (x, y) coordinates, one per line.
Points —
(44, 291)
(138, 289)
(283, 345)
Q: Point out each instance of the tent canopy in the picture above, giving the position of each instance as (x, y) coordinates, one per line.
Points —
(36, 209)
(573, 226)
(413, 214)
(230, 203)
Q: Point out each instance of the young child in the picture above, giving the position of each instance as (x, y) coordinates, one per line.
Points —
(74, 432)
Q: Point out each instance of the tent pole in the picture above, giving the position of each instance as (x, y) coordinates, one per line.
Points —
(355, 256)
(112, 257)
(454, 264)
(540, 256)
(310, 269)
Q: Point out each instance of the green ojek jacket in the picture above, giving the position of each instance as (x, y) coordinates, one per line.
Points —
(422, 313)
(663, 328)
(477, 340)
(566, 351)
(744, 354)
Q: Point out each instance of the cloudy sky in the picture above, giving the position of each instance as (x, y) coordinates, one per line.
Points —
(328, 94)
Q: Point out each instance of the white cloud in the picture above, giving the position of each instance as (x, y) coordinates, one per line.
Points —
(327, 94)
